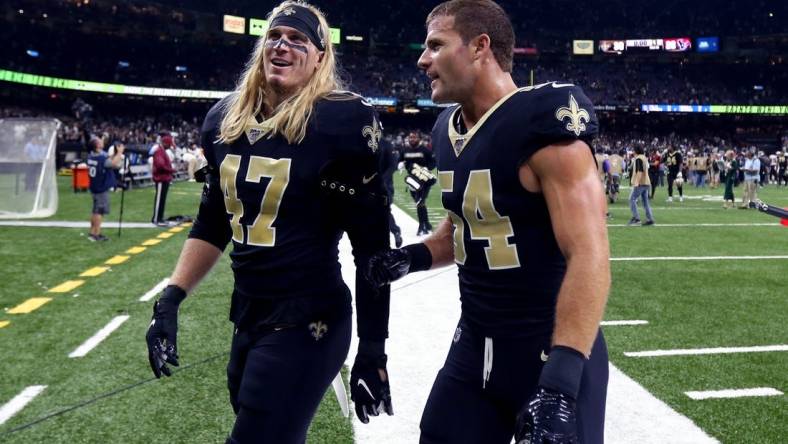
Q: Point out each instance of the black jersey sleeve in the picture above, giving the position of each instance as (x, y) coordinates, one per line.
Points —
(361, 208)
(560, 113)
(212, 224)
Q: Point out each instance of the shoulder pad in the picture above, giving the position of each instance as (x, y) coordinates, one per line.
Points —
(344, 113)
(215, 114)
(559, 111)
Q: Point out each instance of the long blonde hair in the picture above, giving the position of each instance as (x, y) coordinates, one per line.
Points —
(290, 118)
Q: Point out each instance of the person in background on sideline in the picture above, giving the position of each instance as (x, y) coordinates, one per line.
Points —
(162, 172)
(731, 169)
(102, 178)
(640, 188)
(752, 172)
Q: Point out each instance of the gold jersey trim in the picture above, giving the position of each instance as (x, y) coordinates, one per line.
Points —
(460, 141)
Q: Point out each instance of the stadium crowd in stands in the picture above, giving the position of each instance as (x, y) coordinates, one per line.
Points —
(185, 48)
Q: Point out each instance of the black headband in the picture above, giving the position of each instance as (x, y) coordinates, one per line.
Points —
(302, 19)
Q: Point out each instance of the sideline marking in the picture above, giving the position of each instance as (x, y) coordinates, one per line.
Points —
(115, 260)
(4, 324)
(615, 323)
(29, 305)
(65, 287)
(176, 229)
(151, 242)
(92, 272)
(187, 224)
(164, 236)
(19, 402)
(100, 335)
(734, 393)
(155, 290)
(694, 258)
(707, 351)
(135, 250)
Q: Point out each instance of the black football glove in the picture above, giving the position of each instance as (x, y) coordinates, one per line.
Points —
(550, 417)
(388, 266)
(162, 336)
(369, 382)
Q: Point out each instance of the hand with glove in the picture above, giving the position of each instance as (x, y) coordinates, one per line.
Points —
(369, 382)
(389, 265)
(550, 416)
(162, 336)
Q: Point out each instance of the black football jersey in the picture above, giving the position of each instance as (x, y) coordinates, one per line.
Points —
(269, 197)
(510, 266)
(420, 155)
(674, 161)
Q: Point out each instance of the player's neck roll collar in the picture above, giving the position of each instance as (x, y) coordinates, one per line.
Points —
(302, 19)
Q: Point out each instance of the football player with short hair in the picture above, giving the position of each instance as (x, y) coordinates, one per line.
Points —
(674, 160)
(292, 163)
(526, 227)
(419, 162)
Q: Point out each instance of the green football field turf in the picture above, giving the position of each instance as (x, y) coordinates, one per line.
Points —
(110, 395)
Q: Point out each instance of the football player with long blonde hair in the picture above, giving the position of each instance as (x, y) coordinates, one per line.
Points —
(292, 164)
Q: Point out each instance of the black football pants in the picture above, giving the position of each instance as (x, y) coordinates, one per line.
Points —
(671, 180)
(277, 378)
(160, 201)
(420, 197)
(476, 400)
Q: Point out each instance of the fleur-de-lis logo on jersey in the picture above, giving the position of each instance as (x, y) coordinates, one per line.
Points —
(318, 329)
(575, 114)
(374, 133)
(289, 11)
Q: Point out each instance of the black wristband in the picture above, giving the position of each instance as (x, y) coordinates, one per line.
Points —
(371, 348)
(420, 257)
(172, 295)
(563, 370)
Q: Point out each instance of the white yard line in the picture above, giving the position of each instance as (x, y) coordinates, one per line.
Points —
(633, 415)
(155, 290)
(707, 351)
(425, 309)
(696, 258)
(734, 393)
(18, 402)
(616, 323)
(100, 335)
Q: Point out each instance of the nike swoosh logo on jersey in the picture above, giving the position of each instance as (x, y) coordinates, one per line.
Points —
(543, 357)
(364, 384)
(561, 85)
(365, 180)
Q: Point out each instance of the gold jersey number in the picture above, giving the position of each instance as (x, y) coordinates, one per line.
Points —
(261, 232)
(483, 220)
